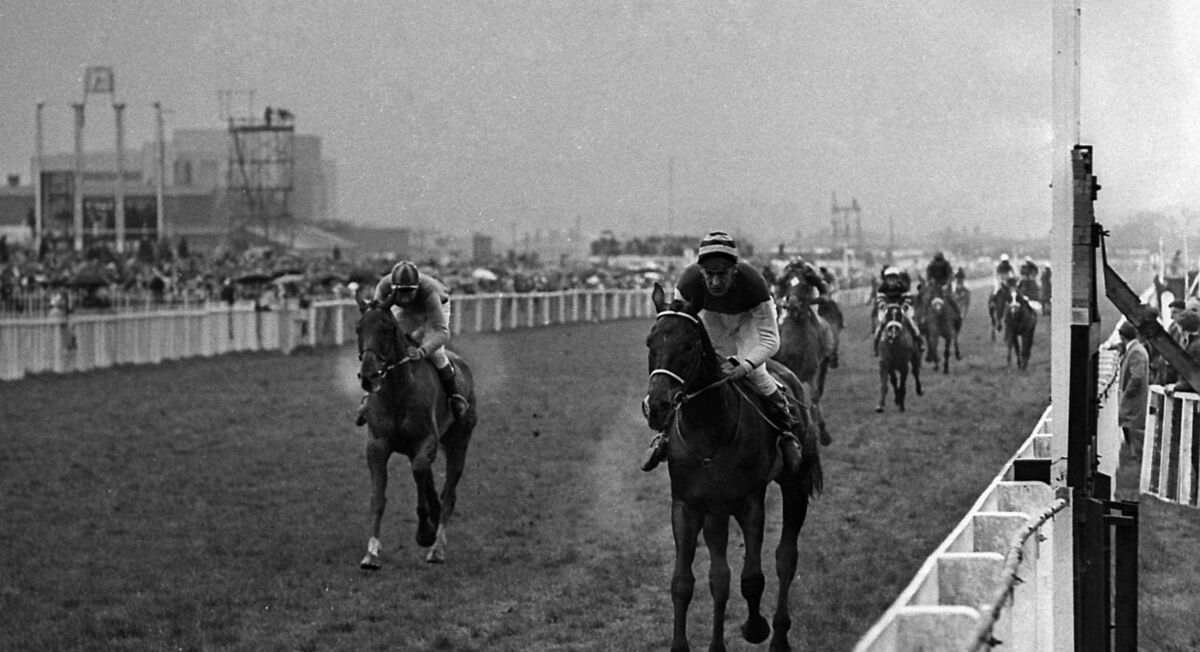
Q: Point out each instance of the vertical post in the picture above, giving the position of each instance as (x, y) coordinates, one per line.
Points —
(38, 217)
(119, 226)
(77, 222)
(159, 218)
(1065, 118)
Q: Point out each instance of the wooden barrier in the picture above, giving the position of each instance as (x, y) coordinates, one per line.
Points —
(1172, 444)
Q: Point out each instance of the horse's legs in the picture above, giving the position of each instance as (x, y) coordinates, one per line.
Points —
(429, 507)
(752, 520)
(716, 538)
(456, 459)
(883, 385)
(377, 461)
(901, 387)
(946, 356)
(916, 374)
(795, 510)
(685, 523)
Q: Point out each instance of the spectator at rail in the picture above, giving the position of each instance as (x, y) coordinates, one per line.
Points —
(1004, 272)
(1189, 322)
(1134, 388)
(894, 288)
(422, 307)
(738, 311)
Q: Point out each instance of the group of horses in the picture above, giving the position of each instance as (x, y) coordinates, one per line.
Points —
(722, 450)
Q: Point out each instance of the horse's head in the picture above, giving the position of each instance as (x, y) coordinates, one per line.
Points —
(378, 344)
(893, 322)
(795, 290)
(680, 356)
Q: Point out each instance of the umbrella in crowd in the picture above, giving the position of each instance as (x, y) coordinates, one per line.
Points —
(87, 279)
(251, 278)
(484, 274)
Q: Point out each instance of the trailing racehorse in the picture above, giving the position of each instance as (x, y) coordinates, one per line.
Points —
(996, 303)
(941, 322)
(407, 413)
(807, 344)
(898, 353)
(1020, 321)
(721, 454)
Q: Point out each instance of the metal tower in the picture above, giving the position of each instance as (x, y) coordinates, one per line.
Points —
(839, 225)
(261, 169)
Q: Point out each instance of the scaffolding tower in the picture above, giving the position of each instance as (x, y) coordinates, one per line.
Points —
(260, 174)
(840, 225)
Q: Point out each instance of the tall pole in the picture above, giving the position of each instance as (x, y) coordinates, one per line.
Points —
(1065, 119)
(37, 181)
(159, 218)
(671, 195)
(119, 114)
(77, 213)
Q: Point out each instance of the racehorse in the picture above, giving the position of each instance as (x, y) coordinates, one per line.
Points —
(898, 353)
(941, 322)
(722, 452)
(962, 296)
(807, 345)
(1020, 320)
(407, 413)
(996, 303)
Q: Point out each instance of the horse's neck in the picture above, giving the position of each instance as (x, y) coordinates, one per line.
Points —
(712, 412)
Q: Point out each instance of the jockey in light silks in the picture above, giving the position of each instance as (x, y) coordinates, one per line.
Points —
(421, 305)
(738, 311)
(894, 289)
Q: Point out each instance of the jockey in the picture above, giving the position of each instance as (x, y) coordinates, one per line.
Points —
(1004, 272)
(1029, 269)
(893, 289)
(421, 305)
(738, 312)
(960, 279)
(938, 272)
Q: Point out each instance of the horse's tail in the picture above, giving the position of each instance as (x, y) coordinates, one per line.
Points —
(812, 473)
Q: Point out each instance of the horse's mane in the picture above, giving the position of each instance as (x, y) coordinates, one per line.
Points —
(686, 308)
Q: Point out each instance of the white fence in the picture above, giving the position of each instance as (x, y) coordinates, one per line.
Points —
(64, 344)
(1172, 444)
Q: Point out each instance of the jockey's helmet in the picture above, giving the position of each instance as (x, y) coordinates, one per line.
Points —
(405, 277)
(891, 270)
(717, 243)
(1003, 258)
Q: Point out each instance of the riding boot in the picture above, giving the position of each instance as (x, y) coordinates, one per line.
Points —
(361, 418)
(656, 452)
(780, 415)
(454, 392)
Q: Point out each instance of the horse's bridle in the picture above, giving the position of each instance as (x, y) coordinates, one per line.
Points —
(388, 367)
(681, 396)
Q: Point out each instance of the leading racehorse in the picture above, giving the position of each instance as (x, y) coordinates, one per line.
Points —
(1020, 321)
(807, 345)
(898, 354)
(407, 413)
(721, 454)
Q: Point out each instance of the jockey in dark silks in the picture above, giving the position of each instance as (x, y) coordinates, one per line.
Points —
(894, 289)
(421, 305)
(1004, 272)
(738, 311)
(938, 272)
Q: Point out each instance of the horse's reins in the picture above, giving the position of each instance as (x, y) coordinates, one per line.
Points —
(682, 397)
(386, 369)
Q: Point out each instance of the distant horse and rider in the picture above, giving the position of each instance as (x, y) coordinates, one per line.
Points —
(941, 322)
(722, 452)
(1019, 319)
(406, 411)
(808, 342)
(898, 355)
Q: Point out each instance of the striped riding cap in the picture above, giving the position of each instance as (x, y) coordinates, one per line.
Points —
(405, 276)
(717, 243)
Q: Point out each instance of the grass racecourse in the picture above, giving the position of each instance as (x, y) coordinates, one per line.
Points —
(221, 504)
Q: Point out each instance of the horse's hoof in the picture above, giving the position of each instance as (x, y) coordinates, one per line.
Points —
(879, 410)
(826, 439)
(370, 562)
(756, 629)
(436, 556)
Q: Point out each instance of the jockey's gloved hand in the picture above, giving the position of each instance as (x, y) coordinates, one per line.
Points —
(734, 368)
(415, 353)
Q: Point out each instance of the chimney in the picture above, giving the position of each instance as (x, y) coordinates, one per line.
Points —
(14, 180)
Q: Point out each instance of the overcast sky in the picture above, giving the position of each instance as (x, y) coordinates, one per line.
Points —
(499, 116)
